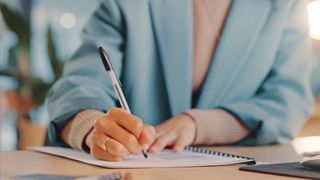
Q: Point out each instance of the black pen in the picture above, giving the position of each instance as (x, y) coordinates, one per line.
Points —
(116, 84)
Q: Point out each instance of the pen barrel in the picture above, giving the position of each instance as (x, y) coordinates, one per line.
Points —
(122, 99)
(119, 92)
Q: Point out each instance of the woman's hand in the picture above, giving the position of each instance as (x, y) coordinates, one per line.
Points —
(119, 134)
(178, 132)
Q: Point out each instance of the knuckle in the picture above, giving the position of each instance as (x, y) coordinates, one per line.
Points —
(114, 114)
(103, 125)
(132, 144)
(111, 113)
(130, 140)
(138, 124)
(118, 149)
(108, 125)
(99, 123)
(115, 111)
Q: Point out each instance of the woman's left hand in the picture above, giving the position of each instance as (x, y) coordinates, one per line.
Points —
(177, 133)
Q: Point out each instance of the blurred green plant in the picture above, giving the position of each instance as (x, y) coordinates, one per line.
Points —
(30, 87)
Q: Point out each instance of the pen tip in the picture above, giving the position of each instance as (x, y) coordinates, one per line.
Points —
(145, 155)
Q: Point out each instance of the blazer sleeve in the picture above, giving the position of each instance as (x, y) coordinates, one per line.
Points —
(284, 101)
(84, 83)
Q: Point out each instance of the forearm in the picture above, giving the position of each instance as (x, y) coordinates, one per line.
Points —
(217, 126)
(77, 129)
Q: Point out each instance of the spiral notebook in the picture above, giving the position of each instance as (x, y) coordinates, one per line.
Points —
(190, 157)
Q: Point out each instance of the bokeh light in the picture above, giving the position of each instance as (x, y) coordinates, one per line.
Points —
(68, 20)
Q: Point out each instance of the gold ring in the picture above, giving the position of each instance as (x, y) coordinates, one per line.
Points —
(103, 142)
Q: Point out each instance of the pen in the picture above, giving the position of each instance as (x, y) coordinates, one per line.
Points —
(116, 84)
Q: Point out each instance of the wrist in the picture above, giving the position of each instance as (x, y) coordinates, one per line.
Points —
(217, 126)
(193, 124)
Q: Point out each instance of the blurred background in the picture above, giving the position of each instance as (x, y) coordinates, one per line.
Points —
(38, 36)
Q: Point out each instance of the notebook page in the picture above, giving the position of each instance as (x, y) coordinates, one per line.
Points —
(165, 158)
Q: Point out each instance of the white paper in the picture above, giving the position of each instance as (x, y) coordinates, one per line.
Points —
(165, 158)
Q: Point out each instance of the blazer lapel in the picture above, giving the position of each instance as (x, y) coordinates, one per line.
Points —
(172, 21)
(243, 25)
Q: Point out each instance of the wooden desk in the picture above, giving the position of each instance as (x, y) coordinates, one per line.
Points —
(27, 161)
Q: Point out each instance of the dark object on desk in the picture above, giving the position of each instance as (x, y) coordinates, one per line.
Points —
(42, 176)
(113, 176)
(311, 162)
(293, 169)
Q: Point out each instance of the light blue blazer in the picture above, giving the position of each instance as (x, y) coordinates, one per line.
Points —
(260, 71)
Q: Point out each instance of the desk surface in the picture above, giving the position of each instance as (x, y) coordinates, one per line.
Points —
(26, 162)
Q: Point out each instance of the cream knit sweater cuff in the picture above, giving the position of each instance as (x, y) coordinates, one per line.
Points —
(77, 129)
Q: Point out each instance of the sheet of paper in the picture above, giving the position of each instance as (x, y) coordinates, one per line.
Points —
(165, 158)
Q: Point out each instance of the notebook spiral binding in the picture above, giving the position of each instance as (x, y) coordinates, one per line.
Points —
(217, 153)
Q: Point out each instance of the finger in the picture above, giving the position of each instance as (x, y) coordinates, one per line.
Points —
(163, 129)
(99, 153)
(130, 122)
(179, 144)
(161, 142)
(114, 147)
(120, 134)
(148, 135)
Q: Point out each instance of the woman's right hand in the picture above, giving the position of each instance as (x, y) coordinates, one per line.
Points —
(119, 134)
